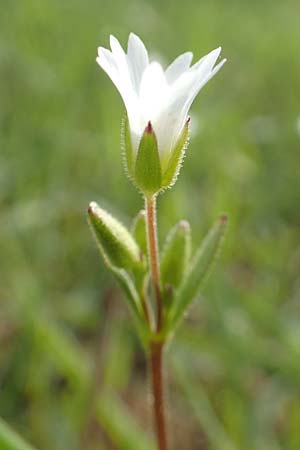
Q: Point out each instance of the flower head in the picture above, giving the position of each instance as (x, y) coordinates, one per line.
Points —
(152, 95)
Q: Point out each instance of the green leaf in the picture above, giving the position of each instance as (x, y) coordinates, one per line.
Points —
(10, 440)
(175, 161)
(129, 289)
(114, 241)
(147, 166)
(138, 231)
(198, 272)
(176, 255)
(127, 148)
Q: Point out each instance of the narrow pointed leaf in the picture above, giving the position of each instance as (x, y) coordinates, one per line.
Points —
(198, 272)
(176, 255)
(114, 240)
(147, 165)
(129, 290)
(174, 164)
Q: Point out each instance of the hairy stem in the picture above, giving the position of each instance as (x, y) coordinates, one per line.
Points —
(154, 257)
(156, 347)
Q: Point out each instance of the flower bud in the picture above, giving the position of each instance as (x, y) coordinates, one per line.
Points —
(116, 244)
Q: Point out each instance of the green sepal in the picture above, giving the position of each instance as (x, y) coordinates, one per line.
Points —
(126, 143)
(114, 241)
(138, 230)
(198, 272)
(175, 257)
(176, 158)
(147, 166)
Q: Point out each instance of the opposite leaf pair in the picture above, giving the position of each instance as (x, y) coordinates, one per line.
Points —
(181, 276)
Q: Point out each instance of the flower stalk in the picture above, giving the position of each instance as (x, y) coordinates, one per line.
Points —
(156, 347)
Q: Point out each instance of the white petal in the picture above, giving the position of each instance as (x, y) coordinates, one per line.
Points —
(121, 61)
(178, 67)
(153, 91)
(137, 58)
(120, 77)
(117, 49)
(205, 64)
(106, 60)
(174, 116)
(202, 82)
(211, 56)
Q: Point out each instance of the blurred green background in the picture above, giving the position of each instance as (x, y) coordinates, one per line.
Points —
(72, 372)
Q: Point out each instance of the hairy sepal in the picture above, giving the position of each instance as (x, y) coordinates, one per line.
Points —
(114, 241)
(147, 165)
(176, 158)
(127, 148)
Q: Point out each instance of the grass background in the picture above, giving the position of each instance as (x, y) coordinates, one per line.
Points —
(72, 373)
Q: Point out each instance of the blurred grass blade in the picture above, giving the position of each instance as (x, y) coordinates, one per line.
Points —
(10, 440)
(198, 272)
(65, 352)
(203, 409)
(121, 428)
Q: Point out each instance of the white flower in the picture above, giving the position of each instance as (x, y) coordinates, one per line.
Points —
(152, 94)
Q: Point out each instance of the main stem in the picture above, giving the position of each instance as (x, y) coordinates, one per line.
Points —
(158, 394)
(153, 256)
(156, 347)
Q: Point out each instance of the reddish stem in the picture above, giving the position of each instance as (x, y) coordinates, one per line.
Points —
(158, 394)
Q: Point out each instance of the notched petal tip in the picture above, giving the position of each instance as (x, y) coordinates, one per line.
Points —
(115, 45)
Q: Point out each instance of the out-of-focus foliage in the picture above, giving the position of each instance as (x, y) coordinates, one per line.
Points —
(72, 372)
